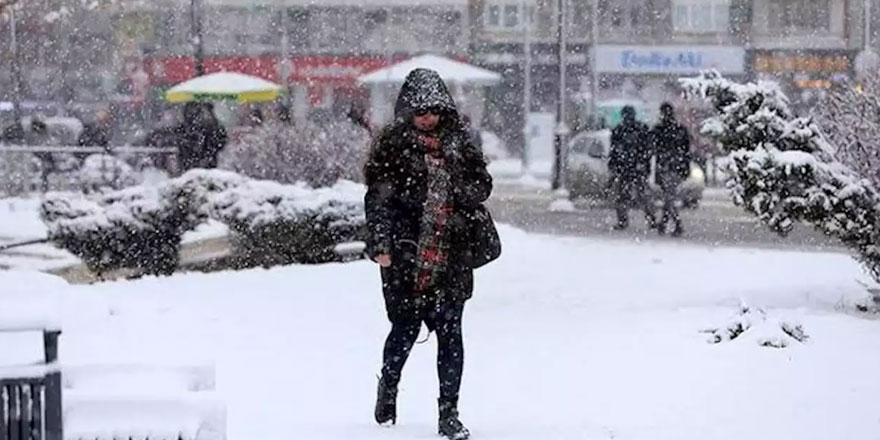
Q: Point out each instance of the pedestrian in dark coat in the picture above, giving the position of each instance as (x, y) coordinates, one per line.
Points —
(630, 167)
(97, 133)
(201, 137)
(672, 146)
(426, 184)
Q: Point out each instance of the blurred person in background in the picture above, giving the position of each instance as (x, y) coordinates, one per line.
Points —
(630, 167)
(200, 137)
(97, 133)
(672, 147)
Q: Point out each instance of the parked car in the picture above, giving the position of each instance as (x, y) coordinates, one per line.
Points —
(588, 176)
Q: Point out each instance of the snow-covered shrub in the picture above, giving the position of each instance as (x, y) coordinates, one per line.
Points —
(281, 224)
(190, 194)
(141, 227)
(131, 228)
(103, 172)
(761, 328)
(319, 154)
(782, 168)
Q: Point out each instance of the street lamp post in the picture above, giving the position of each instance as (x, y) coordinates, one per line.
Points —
(196, 22)
(16, 65)
(594, 72)
(527, 82)
(561, 129)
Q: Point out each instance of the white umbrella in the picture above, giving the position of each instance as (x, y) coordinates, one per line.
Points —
(232, 86)
(451, 71)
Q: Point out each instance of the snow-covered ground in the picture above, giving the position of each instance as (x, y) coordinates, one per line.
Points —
(565, 338)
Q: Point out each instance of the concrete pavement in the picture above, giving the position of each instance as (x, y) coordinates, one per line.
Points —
(717, 222)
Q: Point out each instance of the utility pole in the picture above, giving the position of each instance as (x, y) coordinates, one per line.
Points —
(868, 26)
(284, 66)
(561, 129)
(527, 82)
(195, 9)
(594, 71)
(16, 65)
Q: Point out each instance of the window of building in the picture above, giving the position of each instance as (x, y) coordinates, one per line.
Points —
(800, 14)
(701, 15)
(493, 16)
(626, 14)
(511, 16)
(505, 14)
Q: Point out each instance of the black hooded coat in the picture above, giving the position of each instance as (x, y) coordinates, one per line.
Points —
(396, 177)
(201, 137)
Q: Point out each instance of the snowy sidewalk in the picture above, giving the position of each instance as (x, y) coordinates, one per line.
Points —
(565, 339)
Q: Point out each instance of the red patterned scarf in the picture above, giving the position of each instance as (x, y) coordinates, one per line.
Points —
(433, 251)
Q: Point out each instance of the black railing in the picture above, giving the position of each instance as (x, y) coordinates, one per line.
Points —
(30, 407)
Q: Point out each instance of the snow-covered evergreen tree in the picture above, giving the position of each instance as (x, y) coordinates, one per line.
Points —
(850, 119)
(783, 169)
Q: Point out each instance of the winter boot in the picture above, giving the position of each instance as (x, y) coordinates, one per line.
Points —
(450, 426)
(386, 404)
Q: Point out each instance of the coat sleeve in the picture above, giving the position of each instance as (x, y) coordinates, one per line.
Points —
(378, 174)
(475, 183)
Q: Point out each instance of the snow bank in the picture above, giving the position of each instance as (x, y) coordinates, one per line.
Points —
(19, 218)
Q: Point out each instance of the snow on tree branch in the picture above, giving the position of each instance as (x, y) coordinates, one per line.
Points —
(783, 169)
(851, 120)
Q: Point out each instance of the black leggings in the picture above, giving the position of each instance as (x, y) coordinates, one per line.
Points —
(446, 321)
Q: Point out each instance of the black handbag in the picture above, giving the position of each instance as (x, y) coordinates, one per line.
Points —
(485, 245)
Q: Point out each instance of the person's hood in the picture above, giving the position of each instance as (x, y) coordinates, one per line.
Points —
(423, 88)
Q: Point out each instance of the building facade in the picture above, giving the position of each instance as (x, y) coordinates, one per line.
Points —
(644, 46)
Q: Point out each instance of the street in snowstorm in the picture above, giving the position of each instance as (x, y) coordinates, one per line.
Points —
(461, 219)
(716, 222)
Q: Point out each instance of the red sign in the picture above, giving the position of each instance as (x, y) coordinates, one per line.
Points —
(341, 69)
(173, 70)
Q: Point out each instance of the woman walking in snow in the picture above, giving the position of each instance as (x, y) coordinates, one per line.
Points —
(428, 229)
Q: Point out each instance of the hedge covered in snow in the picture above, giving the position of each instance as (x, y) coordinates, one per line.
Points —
(782, 168)
(131, 228)
(141, 227)
(280, 224)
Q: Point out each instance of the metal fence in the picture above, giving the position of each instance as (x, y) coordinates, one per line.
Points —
(27, 169)
(30, 407)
